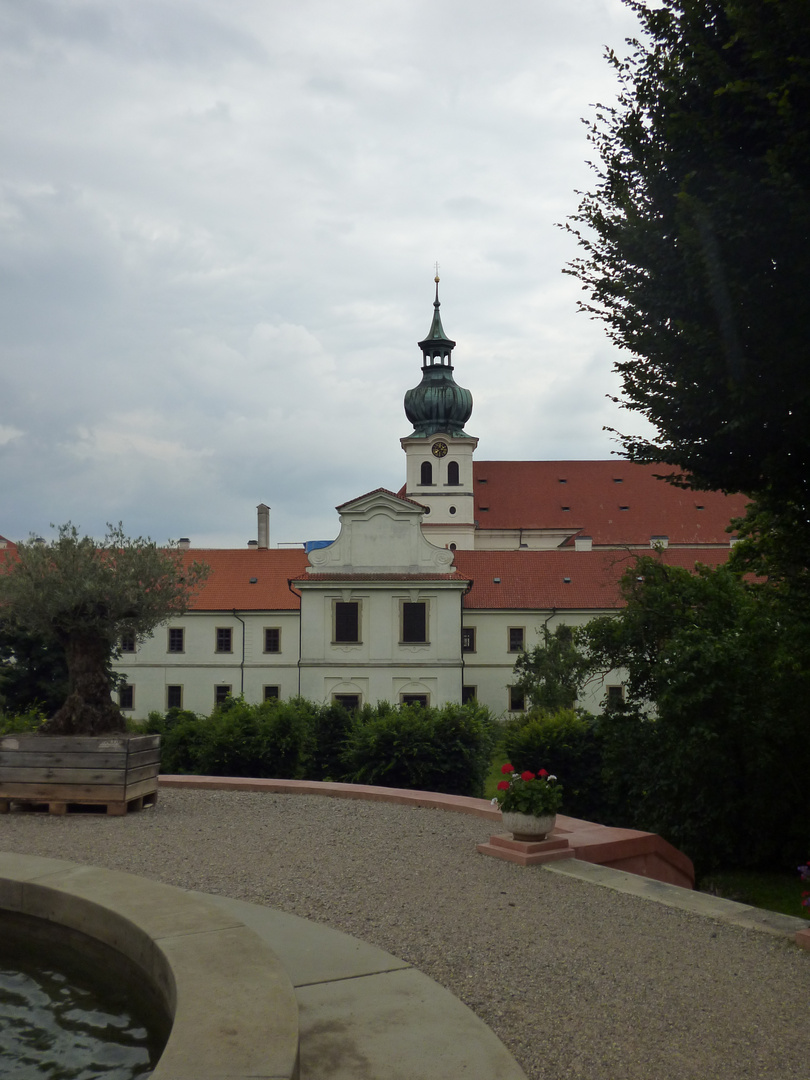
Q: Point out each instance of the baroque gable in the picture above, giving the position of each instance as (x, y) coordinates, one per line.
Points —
(381, 533)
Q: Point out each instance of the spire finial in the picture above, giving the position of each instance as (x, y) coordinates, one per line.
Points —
(436, 279)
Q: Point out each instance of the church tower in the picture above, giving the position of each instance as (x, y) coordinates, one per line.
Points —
(439, 451)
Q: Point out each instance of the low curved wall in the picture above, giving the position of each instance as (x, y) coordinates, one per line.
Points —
(643, 853)
(232, 1005)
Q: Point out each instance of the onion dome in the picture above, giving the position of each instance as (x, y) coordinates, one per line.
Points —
(438, 403)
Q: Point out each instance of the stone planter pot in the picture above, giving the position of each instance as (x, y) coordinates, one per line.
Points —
(527, 826)
(112, 772)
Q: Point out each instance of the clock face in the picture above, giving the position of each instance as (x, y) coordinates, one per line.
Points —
(439, 449)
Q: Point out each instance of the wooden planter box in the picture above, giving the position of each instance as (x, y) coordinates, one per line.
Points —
(117, 772)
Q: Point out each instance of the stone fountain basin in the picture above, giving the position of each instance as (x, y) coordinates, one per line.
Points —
(231, 1004)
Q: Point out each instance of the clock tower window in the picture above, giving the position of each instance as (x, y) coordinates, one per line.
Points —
(452, 473)
(426, 477)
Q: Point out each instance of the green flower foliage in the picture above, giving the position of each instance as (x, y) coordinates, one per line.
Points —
(529, 793)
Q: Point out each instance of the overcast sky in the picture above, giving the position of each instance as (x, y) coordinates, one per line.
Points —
(219, 223)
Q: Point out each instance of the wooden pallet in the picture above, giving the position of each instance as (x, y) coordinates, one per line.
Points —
(113, 809)
(113, 773)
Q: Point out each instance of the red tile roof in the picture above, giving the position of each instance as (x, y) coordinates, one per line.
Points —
(229, 585)
(535, 580)
(380, 576)
(615, 502)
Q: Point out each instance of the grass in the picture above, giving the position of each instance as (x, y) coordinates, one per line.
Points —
(773, 891)
(494, 774)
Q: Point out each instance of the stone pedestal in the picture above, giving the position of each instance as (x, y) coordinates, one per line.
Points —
(526, 852)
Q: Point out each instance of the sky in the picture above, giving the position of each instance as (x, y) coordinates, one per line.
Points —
(218, 230)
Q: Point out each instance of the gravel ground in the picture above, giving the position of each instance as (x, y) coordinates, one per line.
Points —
(577, 980)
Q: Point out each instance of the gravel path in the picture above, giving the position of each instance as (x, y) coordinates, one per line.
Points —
(577, 980)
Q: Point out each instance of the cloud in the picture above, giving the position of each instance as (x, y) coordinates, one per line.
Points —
(217, 235)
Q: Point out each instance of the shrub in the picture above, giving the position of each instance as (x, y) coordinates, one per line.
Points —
(567, 744)
(21, 722)
(446, 749)
(327, 734)
(181, 734)
(237, 739)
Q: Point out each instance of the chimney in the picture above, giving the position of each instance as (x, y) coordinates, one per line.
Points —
(583, 543)
(264, 526)
(184, 543)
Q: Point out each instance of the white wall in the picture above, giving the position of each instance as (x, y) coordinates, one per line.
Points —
(377, 669)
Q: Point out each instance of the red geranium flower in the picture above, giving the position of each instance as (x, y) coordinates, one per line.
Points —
(507, 768)
(542, 774)
(503, 785)
(527, 775)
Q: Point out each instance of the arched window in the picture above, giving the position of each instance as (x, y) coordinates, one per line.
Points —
(427, 473)
(452, 472)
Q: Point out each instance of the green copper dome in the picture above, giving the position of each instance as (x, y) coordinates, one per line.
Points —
(438, 403)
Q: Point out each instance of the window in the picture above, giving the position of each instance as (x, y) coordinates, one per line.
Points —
(426, 475)
(126, 696)
(347, 622)
(271, 693)
(414, 623)
(174, 697)
(452, 473)
(516, 638)
(468, 639)
(422, 700)
(177, 641)
(468, 694)
(615, 695)
(224, 639)
(221, 693)
(517, 699)
(348, 701)
(272, 639)
(127, 643)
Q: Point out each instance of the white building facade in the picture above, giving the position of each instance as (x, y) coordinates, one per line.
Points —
(428, 595)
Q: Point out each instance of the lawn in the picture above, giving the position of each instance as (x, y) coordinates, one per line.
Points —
(771, 890)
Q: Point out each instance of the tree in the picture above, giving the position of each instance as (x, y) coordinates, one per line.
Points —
(695, 242)
(712, 749)
(83, 597)
(552, 673)
(33, 672)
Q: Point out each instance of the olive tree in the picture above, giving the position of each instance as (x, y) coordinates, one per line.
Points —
(84, 596)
